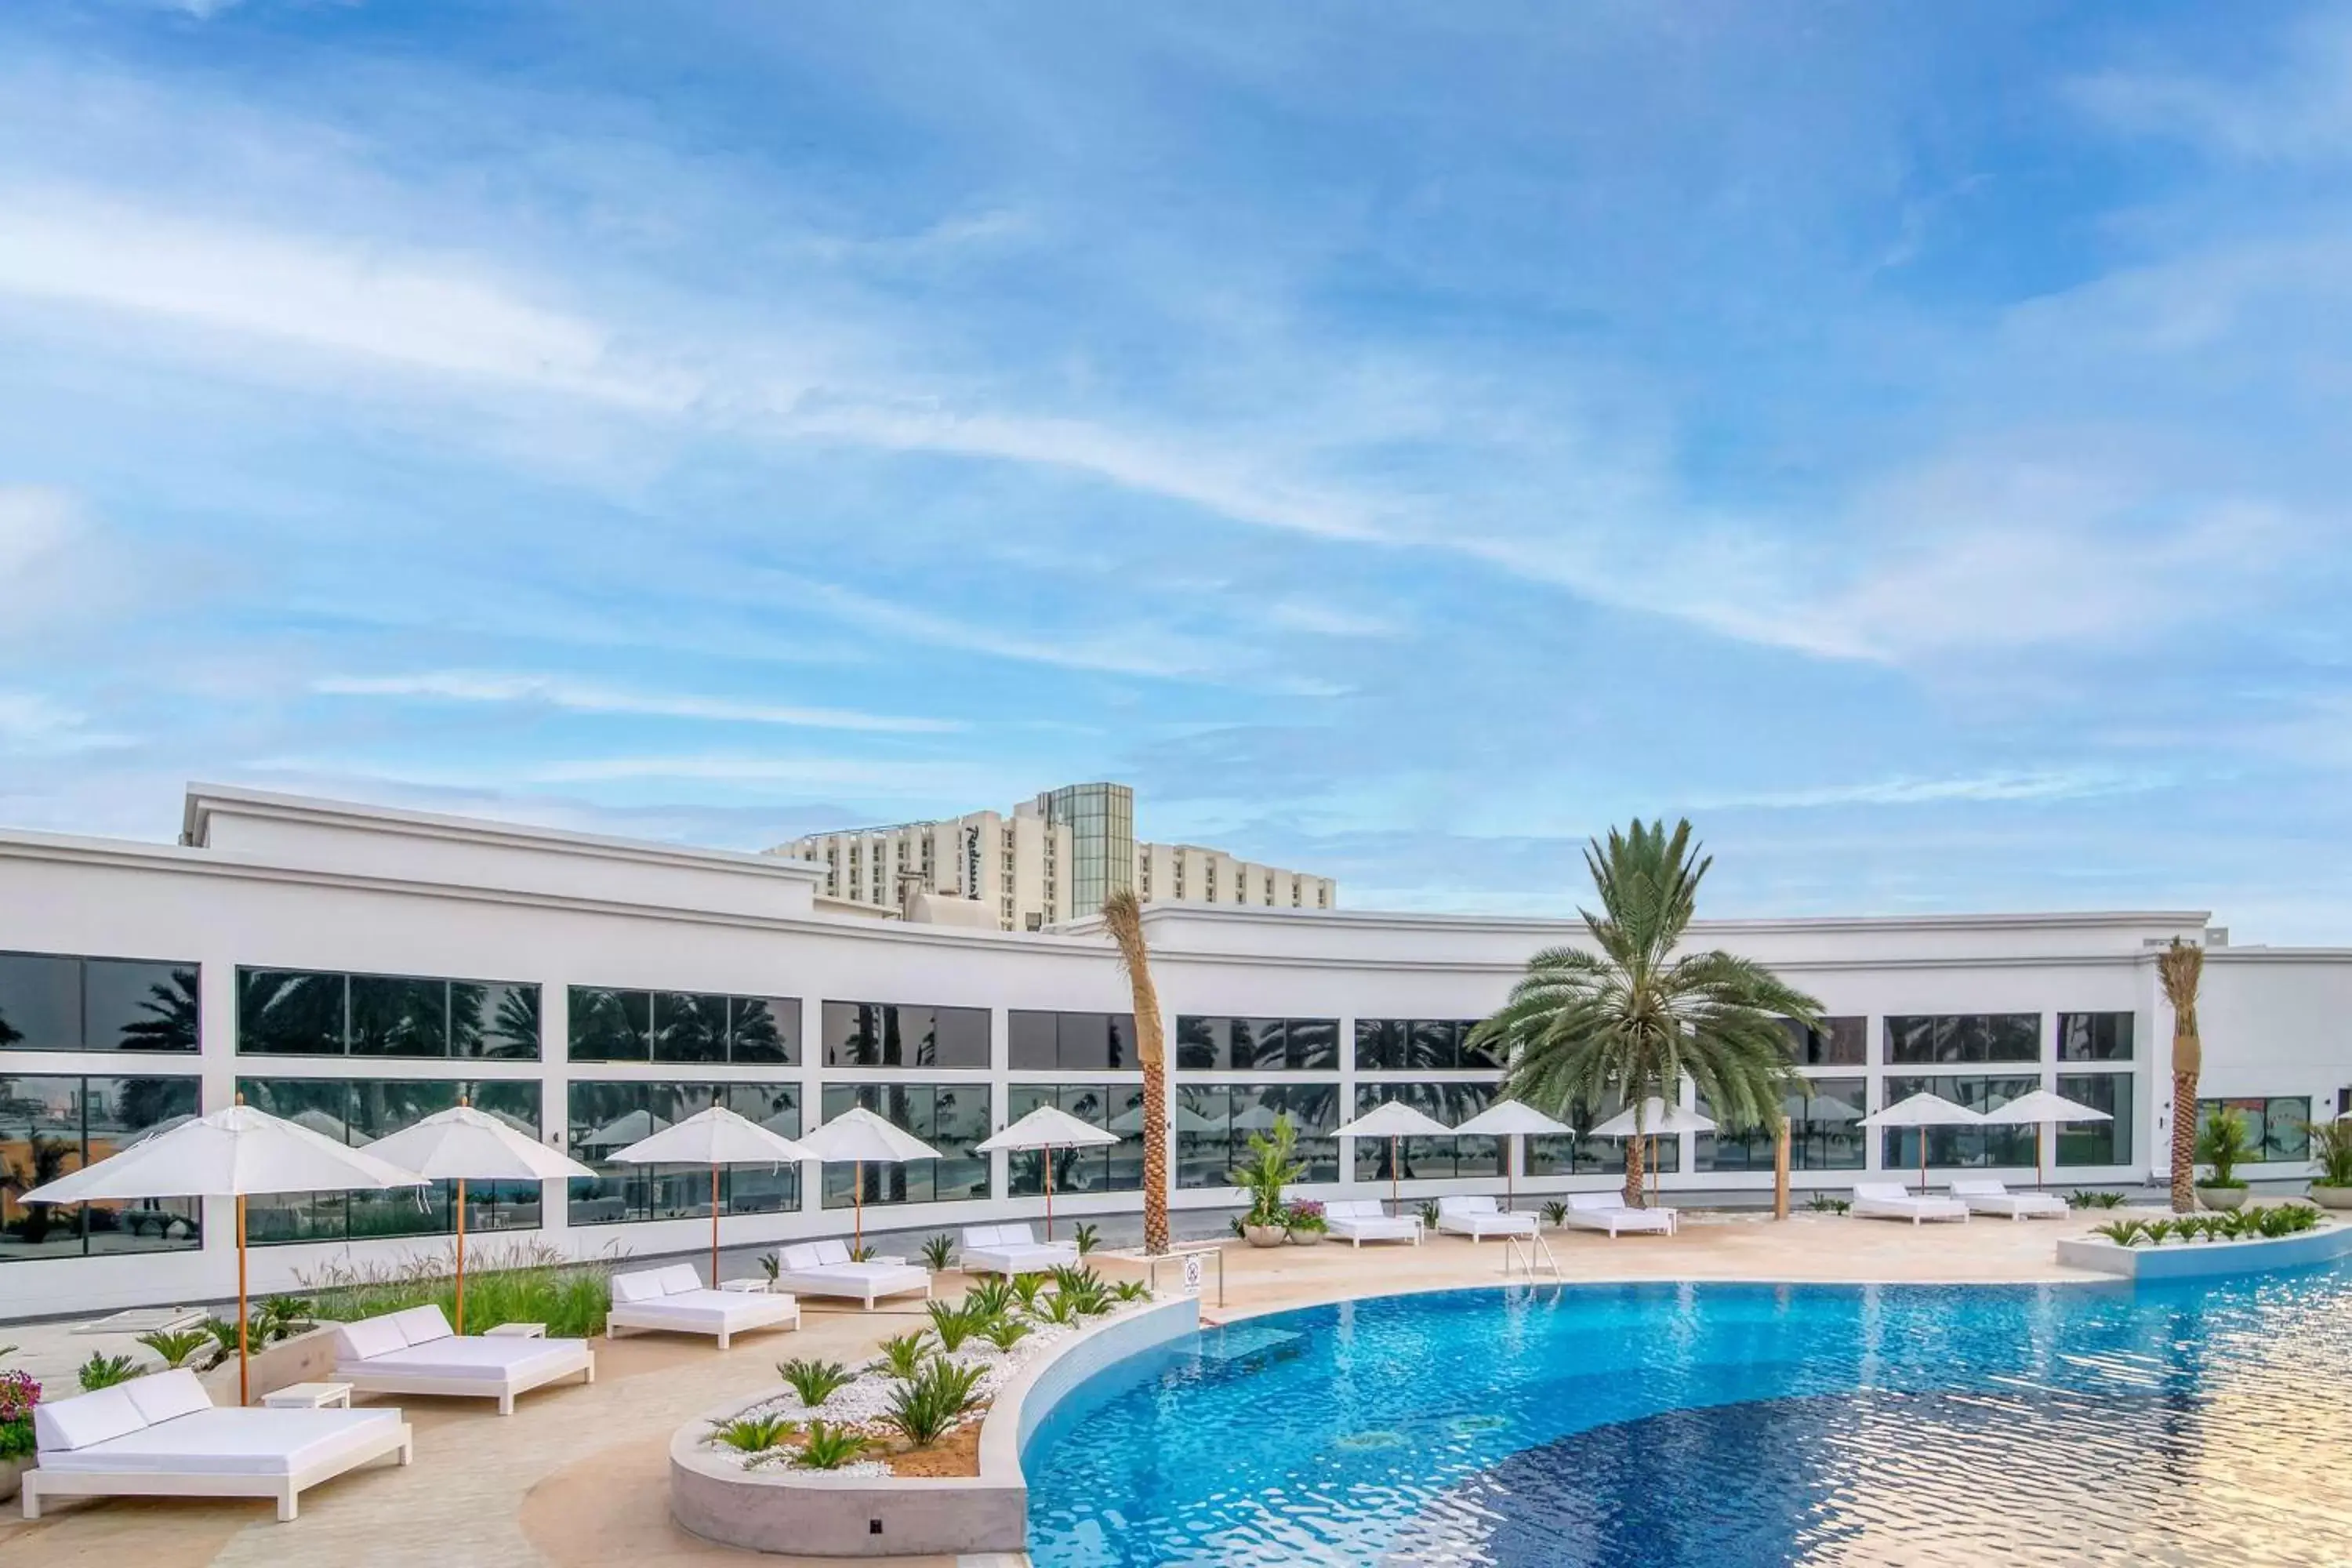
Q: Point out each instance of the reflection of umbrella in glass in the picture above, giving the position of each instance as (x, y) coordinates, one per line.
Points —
(715, 1137)
(1183, 1118)
(1656, 1118)
(855, 1136)
(1924, 1110)
(2040, 1106)
(1048, 1129)
(1511, 1119)
(325, 1124)
(630, 1129)
(1258, 1118)
(463, 1143)
(1394, 1120)
(230, 1153)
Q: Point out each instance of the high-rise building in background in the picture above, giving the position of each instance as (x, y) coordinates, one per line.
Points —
(1047, 860)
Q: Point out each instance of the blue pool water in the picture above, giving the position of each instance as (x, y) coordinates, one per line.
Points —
(1723, 1425)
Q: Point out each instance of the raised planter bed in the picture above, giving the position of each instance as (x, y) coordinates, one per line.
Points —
(820, 1514)
(2193, 1259)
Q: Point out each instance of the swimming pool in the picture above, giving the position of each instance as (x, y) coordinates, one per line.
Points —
(1723, 1425)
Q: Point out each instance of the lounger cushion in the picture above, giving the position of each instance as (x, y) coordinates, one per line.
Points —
(423, 1325)
(1591, 1202)
(368, 1337)
(161, 1396)
(679, 1278)
(260, 1442)
(707, 1311)
(473, 1356)
(1352, 1208)
(1469, 1205)
(86, 1419)
(644, 1286)
(805, 1255)
(832, 1250)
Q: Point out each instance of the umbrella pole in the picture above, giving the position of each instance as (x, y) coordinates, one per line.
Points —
(857, 1203)
(1047, 1154)
(1394, 1165)
(244, 1361)
(461, 1255)
(714, 1226)
(1510, 1174)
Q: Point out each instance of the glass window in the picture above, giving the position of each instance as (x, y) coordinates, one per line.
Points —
(1428, 1157)
(1557, 1155)
(960, 1039)
(53, 1126)
(41, 1002)
(891, 1035)
(1380, 1045)
(1032, 1043)
(1479, 1053)
(1823, 1134)
(611, 1026)
(2094, 1038)
(1109, 1168)
(2275, 1123)
(1964, 1037)
(1214, 1124)
(291, 1012)
(1433, 1043)
(1258, 1045)
(133, 1006)
(395, 1017)
(358, 1111)
(1839, 1042)
(765, 1029)
(951, 1118)
(2098, 1143)
(602, 1117)
(688, 1028)
(493, 1021)
(1961, 1147)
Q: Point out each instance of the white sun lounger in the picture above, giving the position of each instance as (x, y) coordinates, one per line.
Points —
(1984, 1195)
(1607, 1211)
(161, 1435)
(673, 1300)
(1893, 1200)
(415, 1352)
(825, 1269)
(1481, 1217)
(1013, 1249)
(1359, 1220)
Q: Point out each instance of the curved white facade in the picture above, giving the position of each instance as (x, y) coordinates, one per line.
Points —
(271, 882)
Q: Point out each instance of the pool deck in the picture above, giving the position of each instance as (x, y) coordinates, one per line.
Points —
(577, 1478)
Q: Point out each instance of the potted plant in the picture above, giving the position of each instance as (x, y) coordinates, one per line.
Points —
(2222, 1143)
(1303, 1223)
(18, 1395)
(1273, 1164)
(2331, 1147)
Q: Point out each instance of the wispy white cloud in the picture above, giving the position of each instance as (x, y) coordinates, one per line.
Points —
(1984, 788)
(2298, 109)
(32, 724)
(1324, 620)
(582, 697)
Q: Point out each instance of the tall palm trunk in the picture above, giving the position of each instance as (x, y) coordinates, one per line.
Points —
(2180, 967)
(1123, 914)
(1636, 1195)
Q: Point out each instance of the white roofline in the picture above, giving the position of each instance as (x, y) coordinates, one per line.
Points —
(203, 799)
(1408, 919)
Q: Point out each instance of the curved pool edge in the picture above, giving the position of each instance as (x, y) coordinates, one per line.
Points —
(815, 1514)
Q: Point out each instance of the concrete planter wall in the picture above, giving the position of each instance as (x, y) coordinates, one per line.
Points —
(307, 1357)
(812, 1513)
(2194, 1259)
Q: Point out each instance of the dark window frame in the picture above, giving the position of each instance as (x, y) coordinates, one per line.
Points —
(178, 1021)
(347, 1030)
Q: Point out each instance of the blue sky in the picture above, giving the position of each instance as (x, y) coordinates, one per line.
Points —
(1400, 440)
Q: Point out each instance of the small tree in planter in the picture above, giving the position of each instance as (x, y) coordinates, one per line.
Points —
(2223, 1143)
(2331, 1146)
(1273, 1164)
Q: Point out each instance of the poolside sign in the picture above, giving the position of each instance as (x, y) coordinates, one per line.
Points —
(1194, 1268)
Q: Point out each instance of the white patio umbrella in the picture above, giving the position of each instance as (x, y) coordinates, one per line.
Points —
(855, 1136)
(1656, 1117)
(1049, 1129)
(229, 1154)
(1394, 1120)
(1922, 1109)
(2039, 1109)
(461, 1144)
(1510, 1119)
(715, 1137)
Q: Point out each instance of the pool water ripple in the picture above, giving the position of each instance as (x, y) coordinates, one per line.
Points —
(1723, 1425)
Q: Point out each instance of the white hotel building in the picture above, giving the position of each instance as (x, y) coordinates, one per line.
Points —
(359, 967)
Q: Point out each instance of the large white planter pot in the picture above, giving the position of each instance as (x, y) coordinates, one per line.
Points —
(2328, 1197)
(2221, 1197)
(12, 1477)
(1264, 1234)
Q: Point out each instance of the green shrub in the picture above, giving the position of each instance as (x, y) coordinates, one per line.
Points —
(525, 1283)
(2089, 1200)
(1429, 1216)
(106, 1370)
(2331, 1146)
(1823, 1203)
(772, 1264)
(2122, 1232)
(936, 1252)
(2158, 1231)
(829, 1447)
(903, 1354)
(2224, 1143)
(815, 1381)
(1026, 1289)
(1131, 1290)
(988, 1297)
(751, 1434)
(925, 1406)
(2286, 1219)
(950, 1324)
(20, 1392)
(1087, 1237)
(1273, 1164)
(1061, 1307)
(177, 1347)
(1555, 1214)
(1004, 1332)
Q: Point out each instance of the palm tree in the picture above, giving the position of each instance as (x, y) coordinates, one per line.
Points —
(1636, 1018)
(1123, 914)
(2180, 967)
